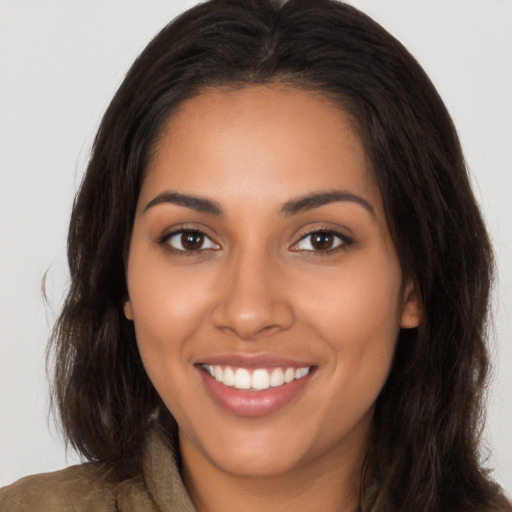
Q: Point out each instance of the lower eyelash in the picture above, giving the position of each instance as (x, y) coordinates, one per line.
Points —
(347, 242)
(166, 237)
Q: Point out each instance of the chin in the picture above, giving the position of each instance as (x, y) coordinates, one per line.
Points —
(260, 466)
(250, 454)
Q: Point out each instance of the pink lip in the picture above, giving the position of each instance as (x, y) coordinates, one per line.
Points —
(248, 403)
(252, 361)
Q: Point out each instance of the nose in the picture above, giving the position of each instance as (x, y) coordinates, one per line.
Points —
(252, 299)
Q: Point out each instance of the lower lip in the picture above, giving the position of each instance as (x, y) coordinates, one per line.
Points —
(252, 403)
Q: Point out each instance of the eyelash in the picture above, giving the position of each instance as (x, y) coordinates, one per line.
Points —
(344, 242)
(164, 241)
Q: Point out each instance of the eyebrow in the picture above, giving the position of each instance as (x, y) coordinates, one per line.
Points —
(318, 199)
(198, 204)
(293, 207)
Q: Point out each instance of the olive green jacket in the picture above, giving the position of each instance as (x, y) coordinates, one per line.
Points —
(83, 488)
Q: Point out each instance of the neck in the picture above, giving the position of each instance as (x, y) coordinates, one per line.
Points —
(329, 484)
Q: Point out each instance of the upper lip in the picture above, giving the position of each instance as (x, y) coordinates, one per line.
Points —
(246, 360)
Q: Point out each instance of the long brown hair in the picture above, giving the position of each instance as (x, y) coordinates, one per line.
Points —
(423, 454)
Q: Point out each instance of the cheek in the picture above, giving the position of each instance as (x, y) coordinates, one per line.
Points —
(360, 333)
(360, 302)
(357, 314)
(168, 307)
(163, 297)
(168, 312)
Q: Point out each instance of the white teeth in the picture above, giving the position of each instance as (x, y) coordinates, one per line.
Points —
(277, 378)
(218, 373)
(229, 377)
(289, 375)
(260, 378)
(242, 379)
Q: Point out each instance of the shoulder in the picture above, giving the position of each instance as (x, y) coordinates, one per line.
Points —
(92, 488)
(81, 488)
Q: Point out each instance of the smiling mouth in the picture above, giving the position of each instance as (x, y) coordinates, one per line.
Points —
(257, 379)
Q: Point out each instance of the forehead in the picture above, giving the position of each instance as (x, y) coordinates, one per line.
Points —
(273, 140)
(261, 106)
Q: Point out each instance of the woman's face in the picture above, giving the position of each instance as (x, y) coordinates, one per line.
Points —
(263, 283)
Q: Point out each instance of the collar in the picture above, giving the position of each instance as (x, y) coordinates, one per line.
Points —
(162, 476)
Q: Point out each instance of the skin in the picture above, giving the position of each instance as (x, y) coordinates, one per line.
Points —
(257, 285)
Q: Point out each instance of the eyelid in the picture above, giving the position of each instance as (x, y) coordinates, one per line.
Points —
(165, 238)
(344, 241)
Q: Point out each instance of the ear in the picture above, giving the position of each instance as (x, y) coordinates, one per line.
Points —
(128, 312)
(411, 306)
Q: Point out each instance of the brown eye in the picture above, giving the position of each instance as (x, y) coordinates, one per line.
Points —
(322, 241)
(189, 240)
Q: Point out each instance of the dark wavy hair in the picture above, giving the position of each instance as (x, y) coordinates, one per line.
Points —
(423, 454)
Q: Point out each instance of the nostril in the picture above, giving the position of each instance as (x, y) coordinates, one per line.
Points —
(249, 305)
(252, 324)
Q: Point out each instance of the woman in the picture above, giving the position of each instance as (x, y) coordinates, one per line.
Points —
(280, 280)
